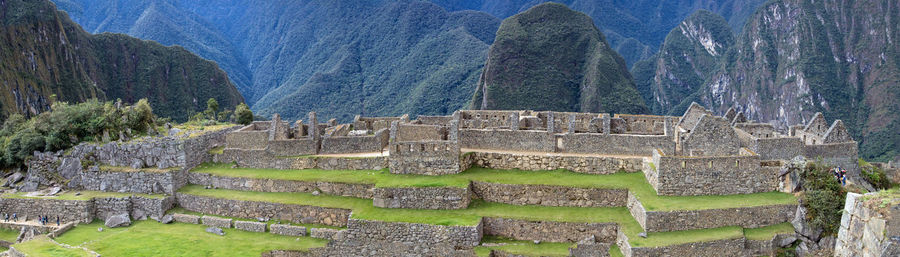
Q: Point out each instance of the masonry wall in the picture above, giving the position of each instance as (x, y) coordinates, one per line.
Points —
(534, 162)
(424, 158)
(785, 148)
(276, 185)
(252, 210)
(709, 175)
(845, 155)
(549, 195)
(597, 143)
(415, 132)
(748, 217)
(549, 231)
(196, 148)
(292, 147)
(717, 248)
(422, 234)
(433, 120)
(355, 144)
(513, 140)
(263, 160)
(643, 124)
(444, 198)
(145, 182)
(243, 139)
(867, 229)
(68, 210)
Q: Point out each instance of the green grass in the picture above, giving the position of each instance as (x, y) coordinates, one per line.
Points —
(8, 235)
(526, 248)
(614, 251)
(634, 182)
(767, 232)
(43, 246)
(150, 238)
(84, 195)
(217, 150)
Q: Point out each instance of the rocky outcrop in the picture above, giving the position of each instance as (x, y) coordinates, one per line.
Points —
(870, 226)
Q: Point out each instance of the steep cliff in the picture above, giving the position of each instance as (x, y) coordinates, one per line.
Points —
(798, 57)
(44, 53)
(553, 58)
(692, 51)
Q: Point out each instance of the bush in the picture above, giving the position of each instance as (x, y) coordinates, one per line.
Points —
(874, 175)
(242, 114)
(823, 197)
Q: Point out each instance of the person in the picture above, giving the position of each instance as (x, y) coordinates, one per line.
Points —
(15, 217)
(57, 220)
(843, 177)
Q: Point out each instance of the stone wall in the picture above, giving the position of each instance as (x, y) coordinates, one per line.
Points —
(748, 217)
(251, 226)
(423, 234)
(596, 143)
(252, 210)
(146, 182)
(512, 140)
(845, 155)
(415, 132)
(424, 157)
(549, 195)
(247, 139)
(711, 136)
(644, 124)
(276, 185)
(211, 221)
(717, 248)
(444, 198)
(549, 231)
(86, 211)
(535, 162)
(261, 159)
(287, 230)
(292, 147)
(355, 144)
(709, 175)
(868, 228)
(784, 148)
(433, 120)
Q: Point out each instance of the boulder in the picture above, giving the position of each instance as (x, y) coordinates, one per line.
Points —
(787, 241)
(215, 230)
(166, 219)
(14, 178)
(119, 220)
(803, 228)
(54, 191)
(69, 167)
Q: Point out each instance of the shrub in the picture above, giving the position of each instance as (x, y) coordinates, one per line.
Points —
(242, 114)
(874, 175)
(212, 107)
(823, 197)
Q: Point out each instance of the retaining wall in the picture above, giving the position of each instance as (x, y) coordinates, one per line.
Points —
(85, 211)
(291, 147)
(549, 195)
(423, 234)
(446, 198)
(709, 175)
(146, 182)
(580, 164)
(424, 158)
(252, 210)
(261, 159)
(549, 231)
(276, 185)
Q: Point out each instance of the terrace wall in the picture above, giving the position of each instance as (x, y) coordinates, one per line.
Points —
(277, 185)
(549, 231)
(252, 210)
(747, 217)
(513, 140)
(422, 234)
(146, 182)
(444, 198)
(86, 211)
(425, 157)
(549, 195)
(261, 159)
(292, 147)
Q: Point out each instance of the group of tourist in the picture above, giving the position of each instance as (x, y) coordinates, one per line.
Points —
(43, 219)
(840, 175)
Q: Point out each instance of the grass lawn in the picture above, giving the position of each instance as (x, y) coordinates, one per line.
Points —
(150, 238)
(767, 232)
(527, 248)
(634, 182)
(614, 251)
(83, 196)
(43, 246)
(8, 235)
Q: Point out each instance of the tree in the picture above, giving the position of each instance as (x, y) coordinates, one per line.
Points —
(212, 107)
(242, 114)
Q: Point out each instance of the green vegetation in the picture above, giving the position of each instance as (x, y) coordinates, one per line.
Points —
(8, 235)
(685, 236)
(150, 238)
(81, 195)
(43, 246)
(634, 182)
(242, 114)
(68, 124)
(767, 232)
(614, 251)
(874, 175)
(824, 197)
(519, 247)
(553, 58)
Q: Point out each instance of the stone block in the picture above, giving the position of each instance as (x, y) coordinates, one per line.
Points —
(186, 218)
(287, 230)
(323, 233)
(216, 222)
(251, 226)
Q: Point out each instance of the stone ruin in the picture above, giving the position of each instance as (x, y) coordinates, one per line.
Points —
(698, 153)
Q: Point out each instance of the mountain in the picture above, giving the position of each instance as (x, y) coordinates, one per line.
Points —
(798, 57)
(339, 58)
(44, 54)
(635, 29)
(692, 51)
(553, 58)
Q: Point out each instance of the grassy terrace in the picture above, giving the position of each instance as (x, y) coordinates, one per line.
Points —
(8, 235)
(634, 182)
(43, 246)
(82, 195)
(363, 209)
(150, 238)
